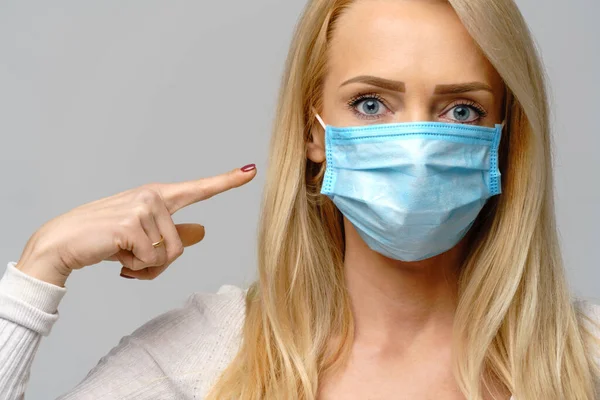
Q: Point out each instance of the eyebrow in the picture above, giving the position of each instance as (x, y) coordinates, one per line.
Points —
(462, 88)
(398, 86)
(389, 84)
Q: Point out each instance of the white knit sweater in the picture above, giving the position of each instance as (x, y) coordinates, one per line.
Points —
(177, 355)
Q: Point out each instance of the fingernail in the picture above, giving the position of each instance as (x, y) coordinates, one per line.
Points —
(127, 276)
(248, 168)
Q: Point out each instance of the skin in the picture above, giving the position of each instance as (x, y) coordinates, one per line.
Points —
(403, 310)
(123, 228)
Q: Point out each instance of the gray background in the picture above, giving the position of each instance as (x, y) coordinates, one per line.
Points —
(98, 97)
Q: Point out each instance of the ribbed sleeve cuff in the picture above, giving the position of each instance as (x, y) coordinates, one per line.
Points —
(29, 302)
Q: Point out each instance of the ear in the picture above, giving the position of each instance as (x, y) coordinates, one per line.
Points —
(315, 149)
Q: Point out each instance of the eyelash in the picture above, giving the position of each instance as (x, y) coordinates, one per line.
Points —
(469, 103)
(354, 101)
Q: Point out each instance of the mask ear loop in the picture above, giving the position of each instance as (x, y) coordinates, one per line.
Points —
(319, 118)
(506, 108)
(316, 180)
(502, 125)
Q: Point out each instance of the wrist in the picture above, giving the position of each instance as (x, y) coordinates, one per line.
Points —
(43, 270)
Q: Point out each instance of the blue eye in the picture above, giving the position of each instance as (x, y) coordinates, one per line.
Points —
(465, 113)
(462, 113)
(367, 106)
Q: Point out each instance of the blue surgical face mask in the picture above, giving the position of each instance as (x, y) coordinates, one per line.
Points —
(411, 190)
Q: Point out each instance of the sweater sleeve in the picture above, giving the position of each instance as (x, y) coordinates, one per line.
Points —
(28, 310)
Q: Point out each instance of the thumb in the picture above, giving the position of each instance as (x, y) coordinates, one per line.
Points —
(190, 234)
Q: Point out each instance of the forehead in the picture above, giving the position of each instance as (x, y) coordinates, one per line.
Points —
(409, 40)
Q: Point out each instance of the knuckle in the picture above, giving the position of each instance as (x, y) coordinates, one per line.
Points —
(129, 222)
(177, 250)
(175, 247)
(162, 259)
(142, 211)
(154, 258)
(148, 195)
(135, 266)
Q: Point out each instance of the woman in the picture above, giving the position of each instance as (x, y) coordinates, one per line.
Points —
(407, 247)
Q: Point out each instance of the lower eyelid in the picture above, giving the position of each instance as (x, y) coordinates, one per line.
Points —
(366, 116)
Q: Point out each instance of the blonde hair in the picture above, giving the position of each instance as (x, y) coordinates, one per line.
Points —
(515, 318)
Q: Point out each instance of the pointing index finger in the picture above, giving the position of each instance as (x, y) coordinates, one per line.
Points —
(179, 195)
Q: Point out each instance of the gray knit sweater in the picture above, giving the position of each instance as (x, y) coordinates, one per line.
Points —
(177, 355)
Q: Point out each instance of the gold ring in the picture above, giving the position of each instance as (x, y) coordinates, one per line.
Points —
(160, 242)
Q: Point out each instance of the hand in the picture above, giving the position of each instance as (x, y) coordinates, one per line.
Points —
(122, 228)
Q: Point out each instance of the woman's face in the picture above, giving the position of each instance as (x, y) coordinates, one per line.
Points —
(405, 60)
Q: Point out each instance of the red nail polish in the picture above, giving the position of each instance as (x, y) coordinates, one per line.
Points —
(248, 168)
(127, 276)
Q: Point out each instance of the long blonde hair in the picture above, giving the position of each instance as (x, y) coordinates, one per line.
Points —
(515, 316)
